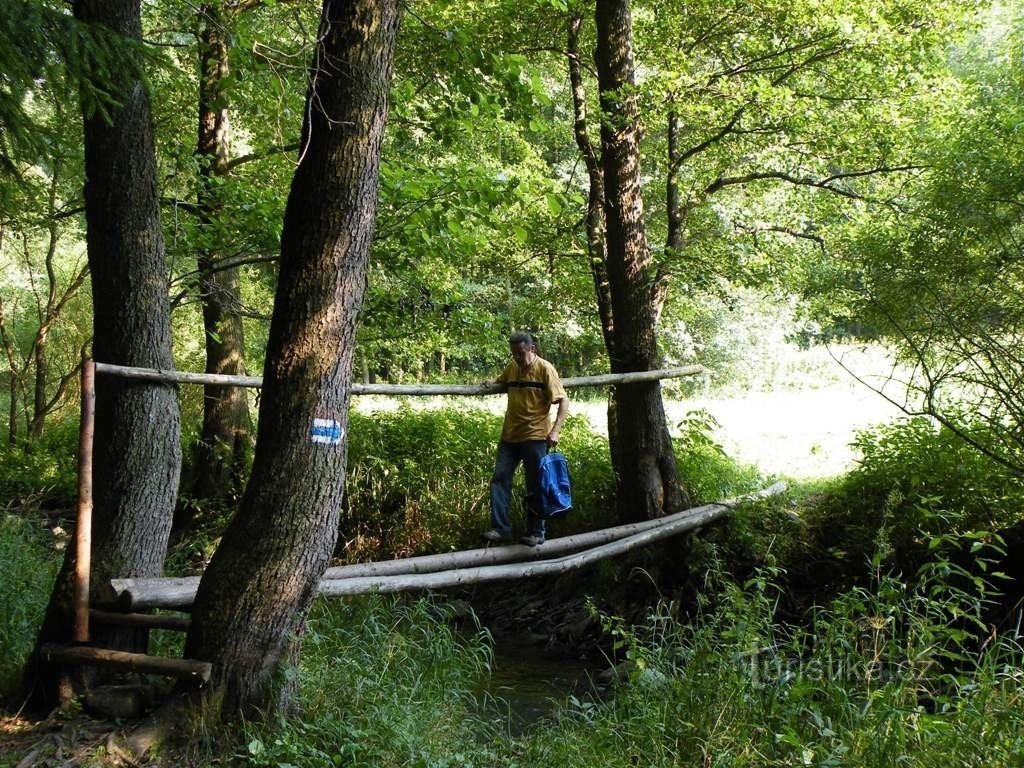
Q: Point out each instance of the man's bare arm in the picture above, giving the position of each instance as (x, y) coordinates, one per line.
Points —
(563, 411)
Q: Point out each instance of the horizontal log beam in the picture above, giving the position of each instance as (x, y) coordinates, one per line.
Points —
(180, 592)
(165, 376)
(183, 669)
(172, 623)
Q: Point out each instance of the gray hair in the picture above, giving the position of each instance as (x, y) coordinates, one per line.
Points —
(520, 337)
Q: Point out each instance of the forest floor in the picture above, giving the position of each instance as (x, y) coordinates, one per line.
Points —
(65, 738)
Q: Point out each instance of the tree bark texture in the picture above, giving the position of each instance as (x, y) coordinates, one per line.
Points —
(224, 443)
(673, 199)
(137, 450)
(255, 594)
(647, 478)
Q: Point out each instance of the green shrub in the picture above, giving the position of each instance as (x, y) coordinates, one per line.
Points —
(28, 566)
(705, 469)
(43, 472)
(914, 481)
(418, 481)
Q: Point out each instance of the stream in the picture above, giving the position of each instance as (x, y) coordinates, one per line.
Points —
(527, 685)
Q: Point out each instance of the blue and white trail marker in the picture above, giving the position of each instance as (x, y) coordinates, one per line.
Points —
(326, 431)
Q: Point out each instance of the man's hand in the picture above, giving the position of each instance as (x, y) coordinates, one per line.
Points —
(553, 437)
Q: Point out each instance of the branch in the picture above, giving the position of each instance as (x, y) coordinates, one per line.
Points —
(806, 181)
(184, 205)
(265, 153)
(225, 264)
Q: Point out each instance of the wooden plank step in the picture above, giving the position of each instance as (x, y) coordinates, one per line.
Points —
(187, 669)
(173, 623)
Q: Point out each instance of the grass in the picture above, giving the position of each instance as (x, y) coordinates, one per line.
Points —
(867, 683)
(385, 682)
(28, 566)
(881, 675)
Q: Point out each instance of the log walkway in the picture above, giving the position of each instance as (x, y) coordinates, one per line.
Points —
(456, 569)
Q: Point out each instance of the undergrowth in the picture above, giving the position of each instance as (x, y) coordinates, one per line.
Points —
(891, 674)
(385, 682)
(918, 481)
(894, 673)
(28, 566)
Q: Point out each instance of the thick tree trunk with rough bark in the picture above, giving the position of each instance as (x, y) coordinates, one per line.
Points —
(255, 595)
(647, 479)
(224, 443)
(137, 453)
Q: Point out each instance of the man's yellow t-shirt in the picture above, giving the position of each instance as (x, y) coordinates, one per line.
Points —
(531, 391)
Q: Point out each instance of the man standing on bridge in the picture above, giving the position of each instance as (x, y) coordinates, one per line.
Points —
(533, 386)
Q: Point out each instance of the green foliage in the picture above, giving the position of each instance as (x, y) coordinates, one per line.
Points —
(384, 683)
(938, 274)
(28, 566)
(914, 481)
(418, 481)
(705, 469)
(865, 683)
(42, 472)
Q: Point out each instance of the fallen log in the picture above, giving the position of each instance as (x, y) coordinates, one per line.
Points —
(180, 592)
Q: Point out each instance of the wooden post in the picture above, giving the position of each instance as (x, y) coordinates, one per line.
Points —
(83, 527)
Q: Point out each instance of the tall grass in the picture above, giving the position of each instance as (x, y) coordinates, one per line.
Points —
(891, 674)
(384, 683)
(880, 677)
(28, 566)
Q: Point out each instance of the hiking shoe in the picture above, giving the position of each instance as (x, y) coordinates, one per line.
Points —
(532, 540)
(496, 536)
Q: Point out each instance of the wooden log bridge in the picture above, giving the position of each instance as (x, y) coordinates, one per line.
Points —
(456, 569)
(432, 572)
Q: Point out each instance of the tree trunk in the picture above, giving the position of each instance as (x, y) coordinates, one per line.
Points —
(137, 454)
(595, 222)
(47, 314)
(12, 411)
(674, 241)
(595, 201)
(647, 478)
(287, 525)
(224, 443)
(35, 429)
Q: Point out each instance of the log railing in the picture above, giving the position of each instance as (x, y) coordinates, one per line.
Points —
(165, 376)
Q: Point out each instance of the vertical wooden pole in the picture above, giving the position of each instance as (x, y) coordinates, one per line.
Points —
(83, 528)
